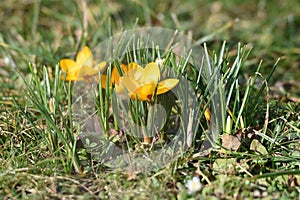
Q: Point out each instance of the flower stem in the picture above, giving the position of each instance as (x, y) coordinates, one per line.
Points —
(150, 120)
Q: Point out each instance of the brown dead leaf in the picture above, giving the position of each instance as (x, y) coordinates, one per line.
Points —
(292, 181)
(232, 142)
(131, 176)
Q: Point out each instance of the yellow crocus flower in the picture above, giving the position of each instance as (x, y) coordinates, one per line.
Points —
(83, 67)
(144, 82)
(115, 76)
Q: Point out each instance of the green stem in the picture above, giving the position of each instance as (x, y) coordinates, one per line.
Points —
(150, 118)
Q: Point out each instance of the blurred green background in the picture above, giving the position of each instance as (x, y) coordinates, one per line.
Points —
(45, 31)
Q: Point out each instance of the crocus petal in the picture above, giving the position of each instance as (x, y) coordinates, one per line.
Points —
(145, 92)
(101, 66)
(151, 73)
(130, 84)
(103, 81)
(207, 115)
(90, 71)
(166, 85)
(87, 71)
(115, 76)
(73, 77)
(68, 65)
(83, 67)
(71, 68)
(85, 57)
(132, 65)
(134, 71)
